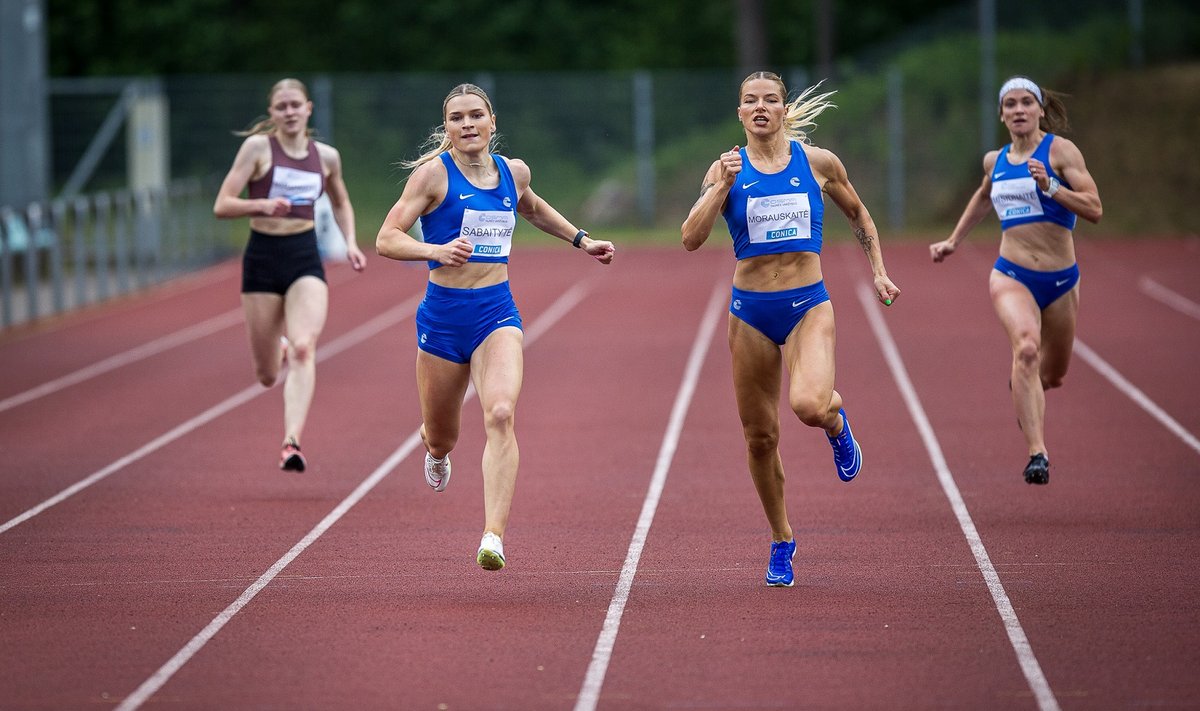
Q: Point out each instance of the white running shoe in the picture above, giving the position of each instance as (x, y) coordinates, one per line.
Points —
(437, 473)
(491, 552)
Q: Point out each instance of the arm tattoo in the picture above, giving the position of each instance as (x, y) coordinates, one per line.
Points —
(864, 239)
(705, 188)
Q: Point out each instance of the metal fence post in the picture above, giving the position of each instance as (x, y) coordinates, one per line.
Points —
(6, 269)
(643, 139)
(895, 113)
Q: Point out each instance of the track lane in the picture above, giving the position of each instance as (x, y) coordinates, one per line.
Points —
(1074, 556)
(1096, 571)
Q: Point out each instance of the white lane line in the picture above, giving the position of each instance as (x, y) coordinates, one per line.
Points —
(352, 338)
(564, 304)
(133, 355)
(178, 338)
(1093, 359)
(1176, 301)
(1016, 634)
(589, 693)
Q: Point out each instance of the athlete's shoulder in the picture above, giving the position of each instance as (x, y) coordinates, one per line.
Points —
(989, 160)
(520, 169)
(430, 176)
(823, 162)
(327, 152)
(257, 142)
(1061, 143)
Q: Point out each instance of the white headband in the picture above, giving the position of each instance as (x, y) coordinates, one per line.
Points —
(1020, 83)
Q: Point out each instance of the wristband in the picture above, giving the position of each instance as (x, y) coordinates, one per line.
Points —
(1054, 185)
(578, 239)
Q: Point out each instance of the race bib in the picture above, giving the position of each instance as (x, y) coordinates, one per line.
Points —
(775, 218)
(299, 186)
(490, 231)
(1014, 199)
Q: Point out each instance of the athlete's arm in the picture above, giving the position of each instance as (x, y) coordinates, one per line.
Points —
(977, 208)
(254, 152)
(425, 188)
(543, 216)
(1083, 197)
(839, 189)
(339, 200)
(713, 192)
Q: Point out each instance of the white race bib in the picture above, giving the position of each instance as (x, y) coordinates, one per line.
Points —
(490, 231)
(1014, 199)
(295, 185)
(775, 218)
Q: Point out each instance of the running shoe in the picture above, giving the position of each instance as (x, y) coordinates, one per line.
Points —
(437, 472)
(779, 567)
(846, 453)
(1037, 471)
(491, 552)
(290, 458)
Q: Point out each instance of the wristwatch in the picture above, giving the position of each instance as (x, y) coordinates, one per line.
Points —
(576, 243)
(1053, 187)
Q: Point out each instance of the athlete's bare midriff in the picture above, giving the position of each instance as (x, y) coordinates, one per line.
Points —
(280, 226)
(1041, 246)
(777, 272)
(472, 275)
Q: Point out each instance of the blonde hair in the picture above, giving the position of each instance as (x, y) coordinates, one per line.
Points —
(438, 142)
(802, 110)
(265, 125)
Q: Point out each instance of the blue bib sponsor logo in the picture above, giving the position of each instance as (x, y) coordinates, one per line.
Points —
(487, 249)
(782, 234)
(1018, 211)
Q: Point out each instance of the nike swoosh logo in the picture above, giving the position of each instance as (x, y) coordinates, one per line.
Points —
(747, 186)
(1060, 283)
(998, 175)
(509, 318)
(853, 463)
(464, 197)
(801, 302)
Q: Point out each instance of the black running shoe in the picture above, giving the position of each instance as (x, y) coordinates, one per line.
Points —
(1037, 471)
(290, 458)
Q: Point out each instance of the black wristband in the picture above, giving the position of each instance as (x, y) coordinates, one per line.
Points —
(578, 239)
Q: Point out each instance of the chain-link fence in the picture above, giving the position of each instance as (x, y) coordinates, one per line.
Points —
(628, 149)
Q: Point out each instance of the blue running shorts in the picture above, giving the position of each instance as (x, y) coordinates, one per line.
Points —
(776, 313)
(1046, 287)
(451, 323)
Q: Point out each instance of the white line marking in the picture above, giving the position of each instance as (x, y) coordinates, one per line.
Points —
(347, 340)
(1176, 301)
(132, 355)
(1093, 359)
(171, 340)
(564, 304)
(589, 693)
(1016, 634)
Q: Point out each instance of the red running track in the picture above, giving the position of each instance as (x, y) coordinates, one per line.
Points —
(152, 556)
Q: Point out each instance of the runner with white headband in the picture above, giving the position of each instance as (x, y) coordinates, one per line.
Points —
(1037, 184)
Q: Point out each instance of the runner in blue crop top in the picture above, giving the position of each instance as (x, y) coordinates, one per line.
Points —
(1037, 185)
(772, 213)
(780, 316)
(485, 216)
(468, 327)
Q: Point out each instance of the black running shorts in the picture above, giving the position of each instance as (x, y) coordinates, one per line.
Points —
(272, 263)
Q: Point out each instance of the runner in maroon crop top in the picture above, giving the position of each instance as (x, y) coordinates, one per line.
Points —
(284, 294)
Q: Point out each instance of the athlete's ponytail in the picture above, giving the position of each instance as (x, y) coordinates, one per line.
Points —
(802, 110)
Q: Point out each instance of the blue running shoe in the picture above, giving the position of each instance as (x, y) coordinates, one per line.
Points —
(779, 568)
(846, 453)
